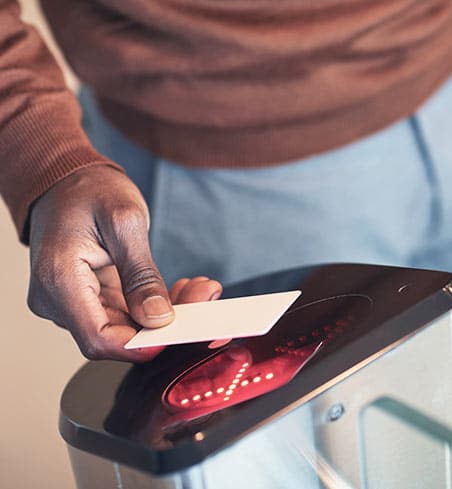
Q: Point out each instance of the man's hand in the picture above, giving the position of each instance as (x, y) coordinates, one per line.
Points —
(92, 271)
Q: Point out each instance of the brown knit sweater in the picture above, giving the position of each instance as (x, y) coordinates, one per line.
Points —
(212, 83)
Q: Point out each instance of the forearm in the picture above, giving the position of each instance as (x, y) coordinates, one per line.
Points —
(41, 139)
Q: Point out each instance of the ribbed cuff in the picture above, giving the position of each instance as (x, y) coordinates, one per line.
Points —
(39, 147)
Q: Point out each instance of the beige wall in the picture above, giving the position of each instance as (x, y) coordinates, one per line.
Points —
(37, 359)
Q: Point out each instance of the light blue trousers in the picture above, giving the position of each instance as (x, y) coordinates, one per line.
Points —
(383, 199)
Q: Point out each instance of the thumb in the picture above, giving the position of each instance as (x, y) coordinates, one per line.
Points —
(143, 287)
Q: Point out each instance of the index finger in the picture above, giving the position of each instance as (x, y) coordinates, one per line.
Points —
(93, 327)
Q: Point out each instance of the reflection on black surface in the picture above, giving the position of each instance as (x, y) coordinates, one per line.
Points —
(166, 400)
(231, 377)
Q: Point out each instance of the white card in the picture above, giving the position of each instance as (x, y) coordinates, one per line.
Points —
(216, 320)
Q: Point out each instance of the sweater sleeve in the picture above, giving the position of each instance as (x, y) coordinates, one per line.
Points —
(41, 138)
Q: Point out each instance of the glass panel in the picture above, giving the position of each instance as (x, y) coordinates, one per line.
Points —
(403, 448)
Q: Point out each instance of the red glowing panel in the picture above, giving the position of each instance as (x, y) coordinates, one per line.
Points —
(215, 376)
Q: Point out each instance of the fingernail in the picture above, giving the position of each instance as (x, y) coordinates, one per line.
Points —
(156, 306)
(215, 296)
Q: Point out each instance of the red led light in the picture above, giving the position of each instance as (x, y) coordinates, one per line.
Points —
(205, 388)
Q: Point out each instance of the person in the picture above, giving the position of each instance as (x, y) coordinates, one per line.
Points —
(261, 135)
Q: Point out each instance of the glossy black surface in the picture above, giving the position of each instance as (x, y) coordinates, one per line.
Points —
(147, 416)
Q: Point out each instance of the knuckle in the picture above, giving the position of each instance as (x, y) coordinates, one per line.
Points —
(127, 218)
(92, 350)
(36, 305)
(140, 276)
